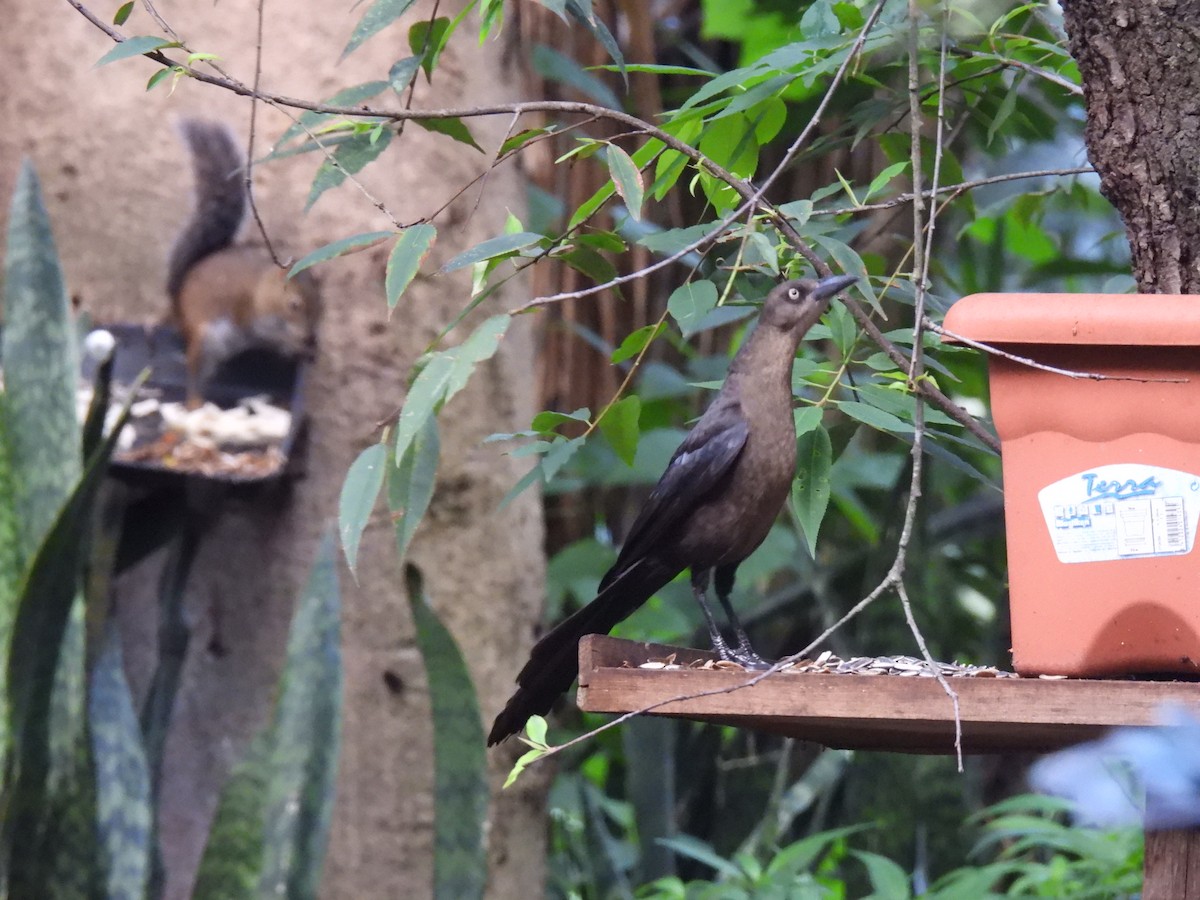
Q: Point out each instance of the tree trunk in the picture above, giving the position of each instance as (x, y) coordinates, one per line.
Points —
(118, 187)
(1137, 61)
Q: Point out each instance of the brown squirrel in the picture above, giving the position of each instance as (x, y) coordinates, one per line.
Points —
(227, 298)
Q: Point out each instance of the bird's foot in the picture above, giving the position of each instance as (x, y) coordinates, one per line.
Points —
(749, 660)
(743, 654)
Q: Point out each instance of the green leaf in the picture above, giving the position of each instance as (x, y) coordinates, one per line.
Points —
(819, 20)
(504, 245)
(48, 593)
(459, 757)
(559, 455)
(12, 562)
(873, 416)
(526, 759)
(305, 739)
(548, 420)
(807, 418)
(162, 75)
(410, 485)
(451, 127)
(1007, 105)
(426, 39)
(354, 95)
(850, 263)
(810, 491)
(883, 178)
(535, 728)
(590, 263)
(888, 880)
(521, 138)
(626, 179)
(643, 156)
(671, 164)
(122, 14)
(849, 15)
(445, 375)
(694, 848)
(336, 249)
(555, 66)
(124, 812)
(619, 426)
(359, 492)
(402, 73)
(798, 211)
(842, 328)
(691, 302)
(673, 240)
(410, 250)
(349, 157)
(70, 852)
(603, 241)
(39, 349)
(134, 46)
(636, 341)
(769, 117)
(526, 481)
(68, 702)
(234, 852)
(656, 69)
(581, 11)
(378, 16)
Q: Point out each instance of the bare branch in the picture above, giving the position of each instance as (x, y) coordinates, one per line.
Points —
(922, 247)
(1034, 364)
(956, 189)
(249, 176)
(1008, 62)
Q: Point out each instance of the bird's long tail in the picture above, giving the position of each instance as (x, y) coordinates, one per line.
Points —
(554, 661)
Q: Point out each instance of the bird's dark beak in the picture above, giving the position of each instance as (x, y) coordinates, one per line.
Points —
(827, 287)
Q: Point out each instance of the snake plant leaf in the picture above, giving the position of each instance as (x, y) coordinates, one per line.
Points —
(124, 818)
(40, 356)
(233, 856)
(305, 739)
(48, 592)
(459, 760)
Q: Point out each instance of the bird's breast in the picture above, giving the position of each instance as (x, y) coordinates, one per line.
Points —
(736, 517)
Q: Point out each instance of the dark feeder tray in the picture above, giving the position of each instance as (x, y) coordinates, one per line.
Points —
(252, 373)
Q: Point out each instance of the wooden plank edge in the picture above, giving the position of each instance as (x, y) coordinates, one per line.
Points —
(911, 714)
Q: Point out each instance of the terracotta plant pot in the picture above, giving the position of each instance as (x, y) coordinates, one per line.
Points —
(1101, 477)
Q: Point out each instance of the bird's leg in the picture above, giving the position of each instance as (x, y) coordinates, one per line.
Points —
(744, 654)
(700, 580)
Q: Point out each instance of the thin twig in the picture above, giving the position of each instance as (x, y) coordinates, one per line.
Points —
(249, 172)
(930, 325)
(161, 22)
(959, 188)
(1008, 62)
(922, 248)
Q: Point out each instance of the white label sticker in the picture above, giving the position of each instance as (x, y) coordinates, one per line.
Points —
(1122, 511)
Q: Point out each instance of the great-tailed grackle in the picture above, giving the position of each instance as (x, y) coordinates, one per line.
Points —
(711, 508)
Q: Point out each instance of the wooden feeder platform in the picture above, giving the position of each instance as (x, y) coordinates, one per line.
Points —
(895, 713)
(869, 712)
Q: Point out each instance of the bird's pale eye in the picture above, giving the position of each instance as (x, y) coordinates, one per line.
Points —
(793, 293)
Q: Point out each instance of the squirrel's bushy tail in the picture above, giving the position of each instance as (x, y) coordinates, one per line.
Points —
(220, 201)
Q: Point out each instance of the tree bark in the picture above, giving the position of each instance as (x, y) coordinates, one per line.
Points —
(118, 187)
(1137, 61)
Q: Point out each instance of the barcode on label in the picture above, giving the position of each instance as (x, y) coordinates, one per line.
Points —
(1174, 526)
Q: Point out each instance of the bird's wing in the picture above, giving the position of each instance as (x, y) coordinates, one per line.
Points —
(705, 457)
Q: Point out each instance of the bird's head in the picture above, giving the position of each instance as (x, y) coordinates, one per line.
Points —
(797, 305)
